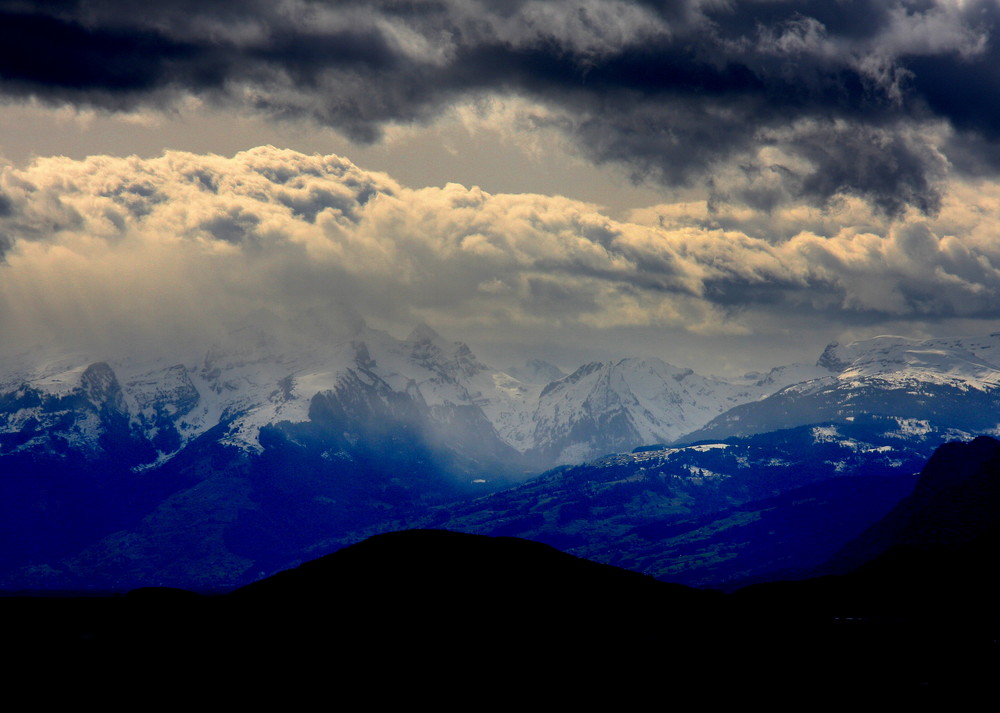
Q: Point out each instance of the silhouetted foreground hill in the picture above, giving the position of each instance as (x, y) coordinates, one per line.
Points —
(933, 555)
(401, 617)
(449, 589)
(439, 616)
(956, 500)
(921, 583)
(436, 590)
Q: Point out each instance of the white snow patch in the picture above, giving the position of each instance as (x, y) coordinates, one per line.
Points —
(912, 427)
(878, 449)
(825, 434)
(702, 448)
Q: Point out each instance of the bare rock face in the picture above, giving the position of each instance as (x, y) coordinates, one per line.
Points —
(830, 360)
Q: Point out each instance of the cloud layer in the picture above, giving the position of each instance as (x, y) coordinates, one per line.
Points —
(111, 251)
(773, 102)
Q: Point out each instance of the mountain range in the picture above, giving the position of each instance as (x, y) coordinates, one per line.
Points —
(210, 469)
(476, 417)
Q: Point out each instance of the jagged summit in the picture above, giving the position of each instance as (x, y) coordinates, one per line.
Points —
(831, 360)
(261, 376)
(269, 370)
(603, 407)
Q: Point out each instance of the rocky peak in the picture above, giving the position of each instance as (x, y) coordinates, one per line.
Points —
(100, 385)
(831, 359)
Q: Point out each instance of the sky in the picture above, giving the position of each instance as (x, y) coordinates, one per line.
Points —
(724, 185)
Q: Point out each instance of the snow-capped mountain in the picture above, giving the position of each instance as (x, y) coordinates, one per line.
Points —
(606, 407)
(142, 412)
(934, 388)
(971, 362)
(212, 466)
(218, 461)
(219, 464)
(282, 375)
(255, 381)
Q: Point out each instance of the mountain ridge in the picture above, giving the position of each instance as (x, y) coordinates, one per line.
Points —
(261, 450)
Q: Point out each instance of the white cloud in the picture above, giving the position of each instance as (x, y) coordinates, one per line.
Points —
(109, 250)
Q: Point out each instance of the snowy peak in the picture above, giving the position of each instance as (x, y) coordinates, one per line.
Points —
(576, 377)
(970, 361)
(257, 378)
(607, 406)
(83, 410)
(451, 360)
(833, 358)
(933, 388)
(270, 373)
(363, 357)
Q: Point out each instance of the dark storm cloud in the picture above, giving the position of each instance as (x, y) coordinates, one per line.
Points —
(850, 95)
(888, 167)
(57, 60)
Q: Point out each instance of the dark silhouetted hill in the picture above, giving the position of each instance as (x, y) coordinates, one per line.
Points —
(431, 616)
(956, 500)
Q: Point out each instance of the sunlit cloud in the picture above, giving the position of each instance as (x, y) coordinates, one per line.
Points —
(132, 251)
